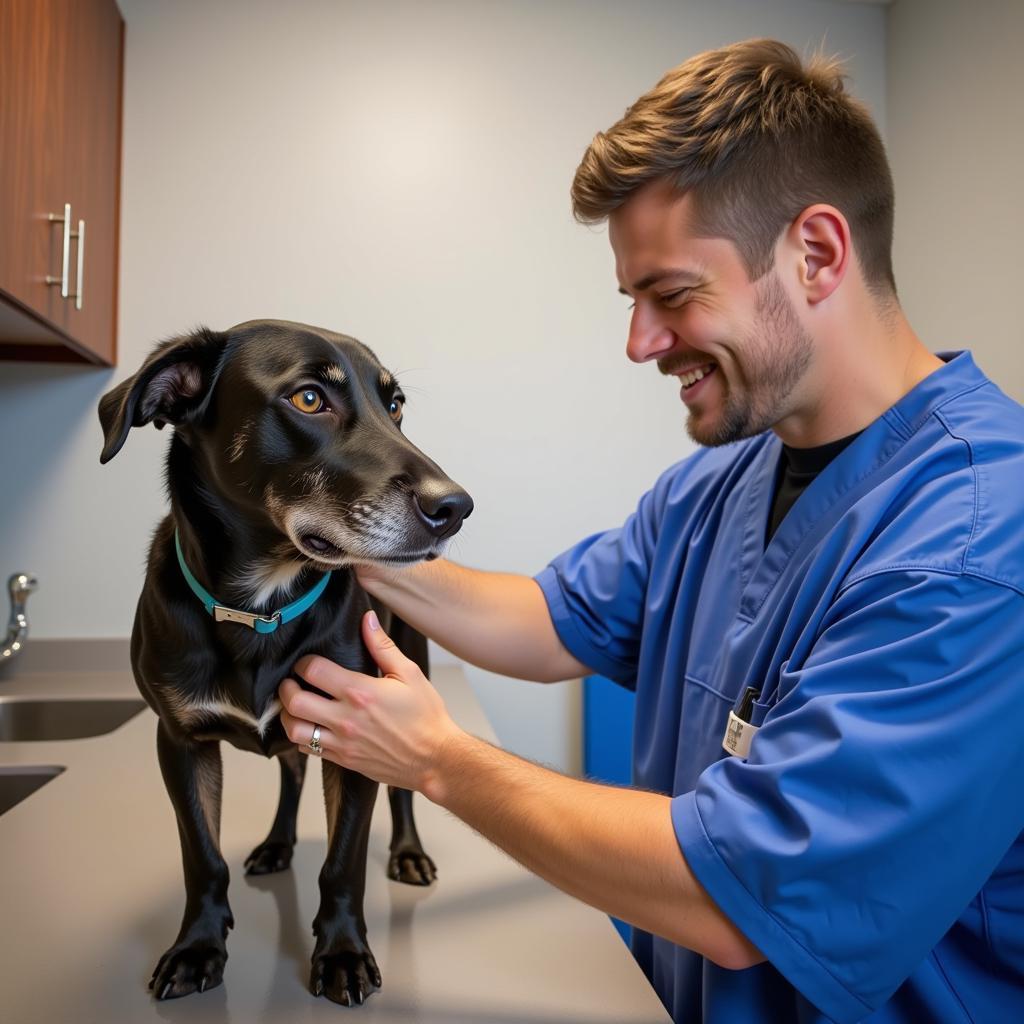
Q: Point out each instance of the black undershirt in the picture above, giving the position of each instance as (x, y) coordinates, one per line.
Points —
(797, 468)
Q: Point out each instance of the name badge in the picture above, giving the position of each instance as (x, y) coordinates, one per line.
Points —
(738, 735)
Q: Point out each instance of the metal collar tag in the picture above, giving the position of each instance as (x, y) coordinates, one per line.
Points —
(738, 735)
(222, 614)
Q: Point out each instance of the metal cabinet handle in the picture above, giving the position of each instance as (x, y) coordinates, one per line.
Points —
(65, 293)
(66, 253)
(80, 235)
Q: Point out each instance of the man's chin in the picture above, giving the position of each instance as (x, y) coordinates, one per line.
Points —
(710, 433)
(703, 433)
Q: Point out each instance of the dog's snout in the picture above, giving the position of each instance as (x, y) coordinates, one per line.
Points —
(441, 508)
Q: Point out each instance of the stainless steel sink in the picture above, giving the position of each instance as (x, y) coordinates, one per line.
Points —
(16, 783)
(63, 718)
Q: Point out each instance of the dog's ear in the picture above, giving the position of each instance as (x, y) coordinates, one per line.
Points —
(171, 387)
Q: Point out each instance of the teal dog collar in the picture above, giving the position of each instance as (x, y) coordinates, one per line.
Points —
(260, 623)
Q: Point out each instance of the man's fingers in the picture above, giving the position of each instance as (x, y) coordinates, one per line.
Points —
(299, 703)
(287, 690)
(324, 674)
(300, 731)
(391, 660)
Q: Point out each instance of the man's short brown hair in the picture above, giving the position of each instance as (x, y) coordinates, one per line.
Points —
(754, 136)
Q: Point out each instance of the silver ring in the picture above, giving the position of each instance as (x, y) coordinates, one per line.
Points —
(314, 741)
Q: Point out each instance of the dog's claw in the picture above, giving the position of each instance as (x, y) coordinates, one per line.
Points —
(191, 968)
(409, 864)
(268, 858)
(347, 977)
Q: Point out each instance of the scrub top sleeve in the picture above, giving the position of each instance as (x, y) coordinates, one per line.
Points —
(881, 791)
(595, 593)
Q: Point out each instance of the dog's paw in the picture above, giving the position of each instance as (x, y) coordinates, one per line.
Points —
(347, 977)
(411, 865)
(269, 857)
(193, 968)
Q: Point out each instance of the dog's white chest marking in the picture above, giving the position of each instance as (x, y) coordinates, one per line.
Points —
(194, 712)
(263, 580)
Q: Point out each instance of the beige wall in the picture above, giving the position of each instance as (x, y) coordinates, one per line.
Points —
(956, 141)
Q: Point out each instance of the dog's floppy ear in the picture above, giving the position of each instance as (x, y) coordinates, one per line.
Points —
(171, 387)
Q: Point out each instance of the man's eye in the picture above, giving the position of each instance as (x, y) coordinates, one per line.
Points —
(307, 400)
(673, 299)
(395, 408)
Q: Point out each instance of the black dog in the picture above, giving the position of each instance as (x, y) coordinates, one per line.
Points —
(287, 463)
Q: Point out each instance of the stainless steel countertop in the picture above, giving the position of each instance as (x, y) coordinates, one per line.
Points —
(91, 894)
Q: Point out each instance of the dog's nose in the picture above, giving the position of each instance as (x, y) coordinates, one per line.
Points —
(441, 507)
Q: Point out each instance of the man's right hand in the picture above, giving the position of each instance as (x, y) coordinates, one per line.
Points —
(374, 577)
(497, 621)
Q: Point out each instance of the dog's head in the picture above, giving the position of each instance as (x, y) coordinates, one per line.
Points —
(300, 426)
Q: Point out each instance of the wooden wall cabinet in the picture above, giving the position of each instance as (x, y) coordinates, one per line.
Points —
(61, 67)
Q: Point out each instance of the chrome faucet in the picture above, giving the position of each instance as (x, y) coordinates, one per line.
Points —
(21, 584)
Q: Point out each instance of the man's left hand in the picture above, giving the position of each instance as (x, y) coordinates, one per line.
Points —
(391, 728)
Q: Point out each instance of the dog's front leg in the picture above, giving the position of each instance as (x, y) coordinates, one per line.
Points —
(192, 774)
(344, 969)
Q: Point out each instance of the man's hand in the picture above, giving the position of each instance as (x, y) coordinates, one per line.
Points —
(391, 728)
(372, 575)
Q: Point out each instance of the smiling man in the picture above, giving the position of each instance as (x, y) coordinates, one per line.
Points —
(820, 612)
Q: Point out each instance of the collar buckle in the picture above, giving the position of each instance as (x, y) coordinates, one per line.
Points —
(223, 614)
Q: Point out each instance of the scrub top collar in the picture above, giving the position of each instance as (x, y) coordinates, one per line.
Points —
(820, 506)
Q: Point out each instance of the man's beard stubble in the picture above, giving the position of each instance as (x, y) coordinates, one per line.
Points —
(774, 359)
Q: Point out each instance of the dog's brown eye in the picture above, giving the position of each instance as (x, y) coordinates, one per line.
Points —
(395, 408)
(307, 400)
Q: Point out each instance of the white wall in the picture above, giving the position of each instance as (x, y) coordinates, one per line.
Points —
(397, 171)
(956, 141)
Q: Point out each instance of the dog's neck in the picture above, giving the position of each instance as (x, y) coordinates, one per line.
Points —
(244, 563)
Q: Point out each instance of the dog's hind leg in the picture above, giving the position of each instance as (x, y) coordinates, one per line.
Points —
(192, 775)
(408, 861)
(275, 852)
(344, 969)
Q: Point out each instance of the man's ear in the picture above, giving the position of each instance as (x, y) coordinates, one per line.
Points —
(821, 237)
(171, 387)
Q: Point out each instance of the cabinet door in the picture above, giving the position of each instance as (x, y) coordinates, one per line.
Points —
(33, 63)
(93, 163)
(60, 133)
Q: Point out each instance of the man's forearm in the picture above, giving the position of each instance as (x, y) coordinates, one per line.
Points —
(497, 621)
(612, 848)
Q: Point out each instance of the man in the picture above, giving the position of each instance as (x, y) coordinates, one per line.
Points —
(836, 579)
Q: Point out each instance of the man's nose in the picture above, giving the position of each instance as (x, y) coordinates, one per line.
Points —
(649, 337)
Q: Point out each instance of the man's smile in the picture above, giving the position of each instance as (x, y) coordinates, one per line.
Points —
(690, 377)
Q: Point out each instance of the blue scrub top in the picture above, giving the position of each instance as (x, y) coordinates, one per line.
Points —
(870, 845)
